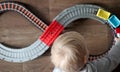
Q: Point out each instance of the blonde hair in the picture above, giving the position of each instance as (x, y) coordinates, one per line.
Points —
(69, 51)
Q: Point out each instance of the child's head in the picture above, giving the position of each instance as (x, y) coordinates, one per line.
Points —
(69, 52)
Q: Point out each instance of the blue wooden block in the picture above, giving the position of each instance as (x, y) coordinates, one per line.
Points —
(114, 21)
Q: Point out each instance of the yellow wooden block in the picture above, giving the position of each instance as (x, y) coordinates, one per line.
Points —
(103, 14)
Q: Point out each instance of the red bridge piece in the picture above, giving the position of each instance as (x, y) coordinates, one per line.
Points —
(51, 33)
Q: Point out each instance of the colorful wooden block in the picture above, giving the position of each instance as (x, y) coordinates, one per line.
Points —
(117, 30)
(103, 14)
(114, 21)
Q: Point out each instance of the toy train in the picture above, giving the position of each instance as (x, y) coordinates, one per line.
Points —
(112, 19)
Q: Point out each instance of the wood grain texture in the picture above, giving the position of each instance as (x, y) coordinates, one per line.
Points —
(16, 31)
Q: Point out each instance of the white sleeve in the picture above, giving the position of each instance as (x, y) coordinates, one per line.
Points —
(57, 70)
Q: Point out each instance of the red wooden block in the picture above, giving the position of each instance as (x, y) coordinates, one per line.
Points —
(117, 30)
(51, 33)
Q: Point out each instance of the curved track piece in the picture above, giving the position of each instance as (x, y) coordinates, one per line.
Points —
(78, 12)
(11, 6)
(28, 53)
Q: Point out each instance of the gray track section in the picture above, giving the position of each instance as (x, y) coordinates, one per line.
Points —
(28, 53)
(25, 54)
(78, 12)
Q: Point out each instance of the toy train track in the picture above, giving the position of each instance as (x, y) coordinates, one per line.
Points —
(54, 29)
(28, 53)
(78, 12)
(11, 6)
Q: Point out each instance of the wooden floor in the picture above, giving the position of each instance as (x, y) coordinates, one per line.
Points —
(18, 32)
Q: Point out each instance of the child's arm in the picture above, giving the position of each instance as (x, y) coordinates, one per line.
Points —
(109, 62)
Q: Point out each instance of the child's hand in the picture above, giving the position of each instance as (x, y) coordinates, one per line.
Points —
(117, 39)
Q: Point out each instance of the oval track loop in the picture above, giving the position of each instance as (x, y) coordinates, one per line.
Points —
(28, 53)
(81, 11)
